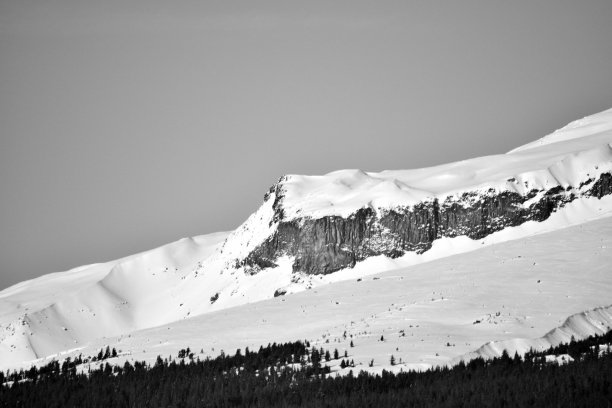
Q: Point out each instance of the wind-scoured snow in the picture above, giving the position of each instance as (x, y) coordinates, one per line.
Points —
(195, 292)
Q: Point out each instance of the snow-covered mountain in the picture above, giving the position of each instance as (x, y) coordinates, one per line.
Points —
(327, 223)
(315, 230)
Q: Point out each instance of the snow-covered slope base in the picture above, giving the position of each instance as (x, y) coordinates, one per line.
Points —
(513, 293)
(311, 232)
(63, 310)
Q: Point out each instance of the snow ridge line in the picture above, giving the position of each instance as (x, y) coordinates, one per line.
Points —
(579, 326)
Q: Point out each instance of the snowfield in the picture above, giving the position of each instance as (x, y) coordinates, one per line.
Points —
(528, 286)
(515, 295)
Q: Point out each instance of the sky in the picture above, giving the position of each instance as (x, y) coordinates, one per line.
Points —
(125, 125)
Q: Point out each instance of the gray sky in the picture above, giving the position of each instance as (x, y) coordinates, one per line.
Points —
(125, 125)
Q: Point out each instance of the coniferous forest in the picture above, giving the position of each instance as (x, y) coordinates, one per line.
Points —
(295, 374)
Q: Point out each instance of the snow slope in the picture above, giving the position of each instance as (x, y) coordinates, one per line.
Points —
(514, 293)
(60, 310)
(196, 280)
(589, 126)
(565, 158)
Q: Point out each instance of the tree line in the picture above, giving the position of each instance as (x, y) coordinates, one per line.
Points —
(295, 374)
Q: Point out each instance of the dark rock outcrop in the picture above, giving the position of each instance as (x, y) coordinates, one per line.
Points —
(331, 243)
(280, 292)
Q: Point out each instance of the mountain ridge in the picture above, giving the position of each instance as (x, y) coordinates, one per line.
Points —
(328, 223)
(311, 231)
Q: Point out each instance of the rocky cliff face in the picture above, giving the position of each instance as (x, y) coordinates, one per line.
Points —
(328, 244)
